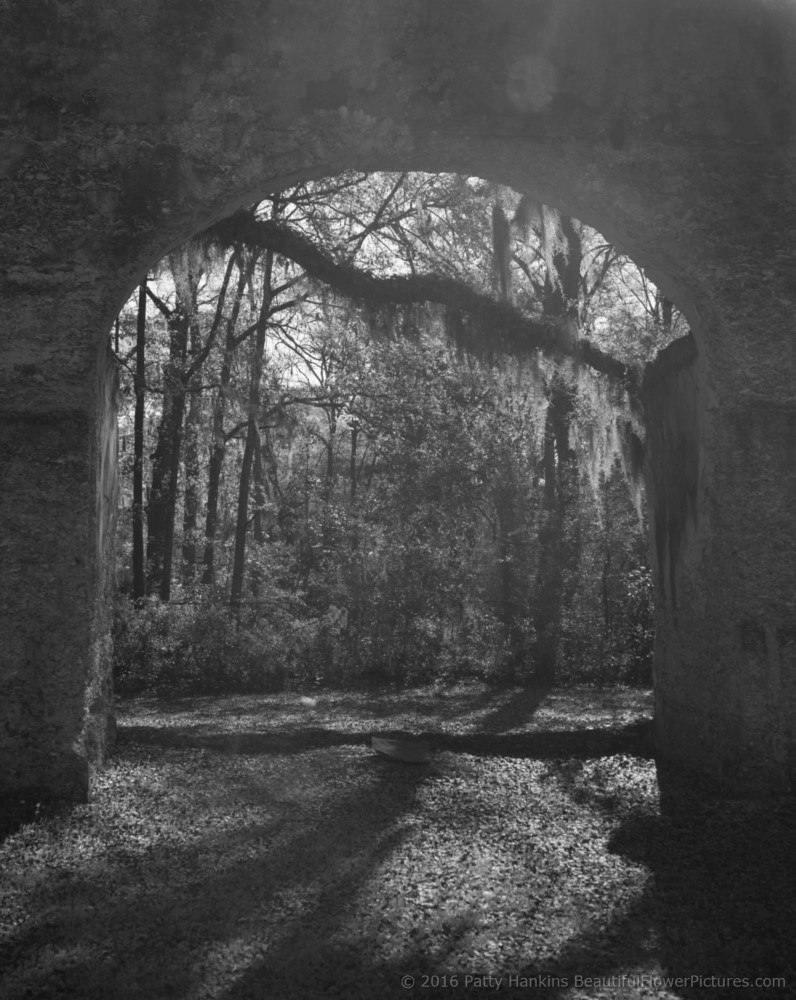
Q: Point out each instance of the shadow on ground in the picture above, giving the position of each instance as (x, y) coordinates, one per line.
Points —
(18, 810)
(634, 738)
(718, 914)
(212, 904)
(718, 903)
(716, 922)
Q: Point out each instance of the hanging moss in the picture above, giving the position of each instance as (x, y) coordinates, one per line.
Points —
(527, 217)
(607, 431)
(501, 251)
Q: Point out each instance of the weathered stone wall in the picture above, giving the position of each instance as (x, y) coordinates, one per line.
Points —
(667, 124)
(57, 511)
(724, 695)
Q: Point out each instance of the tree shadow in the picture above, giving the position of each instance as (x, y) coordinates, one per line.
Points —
(239, 742)
(550, 744)
(25, 807)
(715, 922)
(481, 708)
(723, 898)
(717, 917)
(633, 738)
(183, 900)
(517, 710)
(719, 900)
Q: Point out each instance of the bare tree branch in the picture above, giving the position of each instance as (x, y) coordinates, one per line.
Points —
(501, 325)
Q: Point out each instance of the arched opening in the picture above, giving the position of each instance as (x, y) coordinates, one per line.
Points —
(536, 331)
(310, 879)
(680, 156)
(669, 128)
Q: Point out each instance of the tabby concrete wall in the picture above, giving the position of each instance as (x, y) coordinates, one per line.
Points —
(720, 489)
(667, 124)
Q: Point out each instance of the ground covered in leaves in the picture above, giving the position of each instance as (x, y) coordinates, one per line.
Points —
(253, 847)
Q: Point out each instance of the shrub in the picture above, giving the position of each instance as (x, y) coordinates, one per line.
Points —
(590, 652)
(176, 648)
(195, 646)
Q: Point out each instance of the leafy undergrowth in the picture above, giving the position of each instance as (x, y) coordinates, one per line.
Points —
(253, 847)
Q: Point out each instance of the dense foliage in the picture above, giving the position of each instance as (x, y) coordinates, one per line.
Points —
(373, 430)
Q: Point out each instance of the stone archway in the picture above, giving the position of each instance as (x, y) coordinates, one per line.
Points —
(665, 124)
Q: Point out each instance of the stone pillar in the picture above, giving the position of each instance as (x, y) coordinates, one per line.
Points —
(721, 478)
(57, 510)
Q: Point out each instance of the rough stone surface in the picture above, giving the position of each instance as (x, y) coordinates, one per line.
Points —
(667, 124)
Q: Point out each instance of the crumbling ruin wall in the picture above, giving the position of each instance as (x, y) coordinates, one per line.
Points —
(721, 494)
(668, 125)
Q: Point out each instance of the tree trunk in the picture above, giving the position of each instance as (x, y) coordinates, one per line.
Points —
(667, 310)
(510, 587)
(271, 469)
(165, 473)
(170, 504)
(252, 441)
(260, 490)
(329, 446)
(561, 301)
(166, 459)
(192, 469)
(241, 522)
(139, 568)
(549, 578)
(218, 444)
(352, 462)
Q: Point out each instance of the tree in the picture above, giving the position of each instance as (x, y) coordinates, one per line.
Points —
(244, 264)
(407, 431)
(186, 268)
(252, 431)
(139, 388)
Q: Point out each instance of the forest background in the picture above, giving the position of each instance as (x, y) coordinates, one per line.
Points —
(385, 428)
